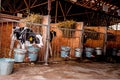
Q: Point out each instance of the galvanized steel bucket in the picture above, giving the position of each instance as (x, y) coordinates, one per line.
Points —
(33, 53)
(6, 66)
(78, 52)
(89, 52)
(98, 50)
(19, 54)
(65, 50)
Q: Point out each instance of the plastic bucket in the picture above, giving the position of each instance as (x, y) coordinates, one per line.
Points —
(6, 66)
(78, 52)
(65, 50)
(98, 50)
(88, 52)
(19, 54)
(33, 53)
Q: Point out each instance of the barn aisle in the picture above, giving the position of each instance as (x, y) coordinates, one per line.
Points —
(64, 70)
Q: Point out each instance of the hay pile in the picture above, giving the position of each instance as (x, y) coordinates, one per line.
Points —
(67, 24)
(32, 18)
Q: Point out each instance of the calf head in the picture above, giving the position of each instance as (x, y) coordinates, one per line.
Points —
(26, 37)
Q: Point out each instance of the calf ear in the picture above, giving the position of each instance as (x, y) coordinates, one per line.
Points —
(31, 39)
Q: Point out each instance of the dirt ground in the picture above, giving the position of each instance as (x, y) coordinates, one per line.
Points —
(64, 70)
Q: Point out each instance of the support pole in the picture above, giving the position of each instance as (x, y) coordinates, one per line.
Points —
(82, 37)
(56, 11)
(105, 42)
(48, 34)
(47, 42)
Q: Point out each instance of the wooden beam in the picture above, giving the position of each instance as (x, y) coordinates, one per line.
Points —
(56, 11)
(21, 4)
(10, 7)
(62, 10)
(69, 10)
(26, 3)
(34, 6)
(84, 5)
(34, 3)
(76, 14)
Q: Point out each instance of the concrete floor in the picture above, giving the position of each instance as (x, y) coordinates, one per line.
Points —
(64, 70)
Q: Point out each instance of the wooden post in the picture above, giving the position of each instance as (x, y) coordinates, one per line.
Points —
(45, 37)
(105, 42)
(48, 34)
(56, 11)
(82, 36)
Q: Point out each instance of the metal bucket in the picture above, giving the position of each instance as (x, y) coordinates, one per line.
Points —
(19, 54)
(6, 66)
(65, 50)
(98, 50)
(88, 52)
(33, 53)
(78, 52)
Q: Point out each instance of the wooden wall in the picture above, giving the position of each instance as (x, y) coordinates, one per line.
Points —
(98, 42)
(5, 31)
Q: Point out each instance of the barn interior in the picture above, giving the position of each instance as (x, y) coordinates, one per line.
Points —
(85, 39)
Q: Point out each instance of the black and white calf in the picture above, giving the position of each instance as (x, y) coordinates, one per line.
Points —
(26, 37)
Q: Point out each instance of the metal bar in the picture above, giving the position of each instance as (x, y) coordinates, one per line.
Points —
(10, 20)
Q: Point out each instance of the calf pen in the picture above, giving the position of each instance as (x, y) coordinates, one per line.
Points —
(72, 38)
(6, 26)
(65, 40)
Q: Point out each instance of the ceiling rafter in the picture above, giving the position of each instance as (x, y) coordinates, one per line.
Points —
(20, 6)
(34, 2)
(10, 7)
(91, 4)
(56, 11)
(40, 4)
(62, 10)
(27, 5)
(69, 9)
